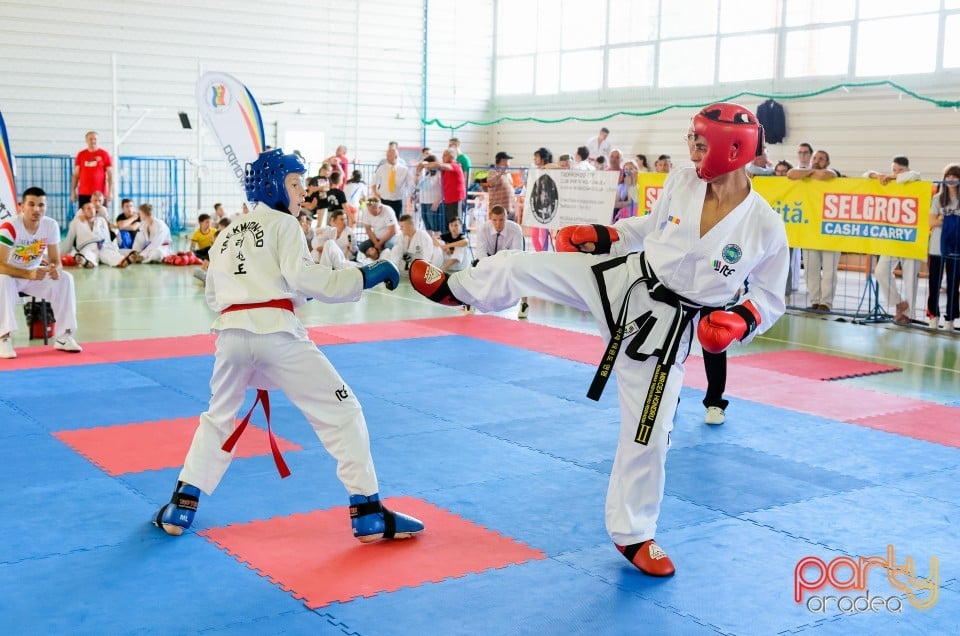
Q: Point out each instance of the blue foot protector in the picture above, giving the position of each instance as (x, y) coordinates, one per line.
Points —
(371, 521)
(176, 516)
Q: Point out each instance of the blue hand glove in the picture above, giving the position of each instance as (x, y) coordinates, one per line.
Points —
(380, 272)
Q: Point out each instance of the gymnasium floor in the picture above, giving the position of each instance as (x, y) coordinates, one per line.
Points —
(480, 426)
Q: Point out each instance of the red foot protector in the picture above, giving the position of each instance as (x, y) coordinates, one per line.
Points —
(811, 365)
(937, 423)
(315, 557)
(134, 448)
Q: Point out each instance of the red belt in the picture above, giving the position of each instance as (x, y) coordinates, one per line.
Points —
(264, 398)
(282, 303)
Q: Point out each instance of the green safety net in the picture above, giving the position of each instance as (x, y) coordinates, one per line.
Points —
(940, 103)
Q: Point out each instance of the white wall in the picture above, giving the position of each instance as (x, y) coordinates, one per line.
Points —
(349, 69)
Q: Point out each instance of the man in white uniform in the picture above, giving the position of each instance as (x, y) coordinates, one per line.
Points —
(707, 233)
(260, 268)
(26, 241)
(93, 240)
(412, 244)
(333, 246)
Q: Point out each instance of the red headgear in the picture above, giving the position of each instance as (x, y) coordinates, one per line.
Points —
(734, 138)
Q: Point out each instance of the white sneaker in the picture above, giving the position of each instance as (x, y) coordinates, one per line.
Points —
(934, 322)
(522, 314)
(67, 343)
(6, 348)
(714, 415)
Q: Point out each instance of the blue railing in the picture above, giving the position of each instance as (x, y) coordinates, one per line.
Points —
(159, 181)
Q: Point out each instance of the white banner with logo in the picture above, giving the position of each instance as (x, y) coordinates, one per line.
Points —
(8, 190)
(230, 110)
(555, 198)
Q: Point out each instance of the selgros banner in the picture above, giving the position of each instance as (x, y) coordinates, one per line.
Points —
(230, 110)
(8, 190)
(556, 198)
(860, 216)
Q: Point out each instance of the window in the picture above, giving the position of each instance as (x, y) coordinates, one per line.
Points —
(889, 8)
(803, 12)
(514, 75)
(581, 71)
(584, 23)
(677, 20)
(897, 46)
(687, 62)
(748, 57)
(632, 21)
(814, 52)
(737, 16)
(951, 46)
(548, 74)
(513, 27)
(630, 66)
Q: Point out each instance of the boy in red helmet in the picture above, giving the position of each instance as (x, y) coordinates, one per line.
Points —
(645, 279)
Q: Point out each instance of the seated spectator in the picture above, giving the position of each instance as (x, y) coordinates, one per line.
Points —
(564, 162)
(203, 238)
(218, 213)
(30, 263)
(152, 244)
(412, 244)
(334, 245)
(904, 305)
(128, 222)
(93, 240)
(600, 163)
(782, 168)
(626, 203)
(99, 205)
(497, 235)
(761, 166)
(642, 164)
(663, 164)
(380, 224)
(453, 246)
(306, 224)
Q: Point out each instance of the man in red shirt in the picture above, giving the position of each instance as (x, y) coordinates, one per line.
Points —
(451, 183)
(92, 172)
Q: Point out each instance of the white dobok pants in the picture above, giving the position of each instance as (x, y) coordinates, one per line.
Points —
(281, 360)
(59, 293)
(635, 490)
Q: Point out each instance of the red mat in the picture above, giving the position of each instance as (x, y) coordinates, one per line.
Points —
(315, 557)
(134, 448)
(931, 422)
(810, 364)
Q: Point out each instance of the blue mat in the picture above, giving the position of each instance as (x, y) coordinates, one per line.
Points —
(498, 435)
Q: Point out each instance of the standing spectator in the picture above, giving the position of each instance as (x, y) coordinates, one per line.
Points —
(616, 160)
(904, 305)
(430, 195)
(355, 190)
(663, 164)
(340, 159)
(761, 166)
(627, 202)
(390, 181)
(451, 184)
(203, 237)
(782, 168)
(461, 158)
(804, 156)
(500, 186)
(312, 200)
(30, 263)
(820, 266)
(582, 161)
(599, 146)
(128, 222)
(92, 172)
(540, 236)
(380, 224)
(642, 164)
(152, 244)
(336, 198)
(946, 202)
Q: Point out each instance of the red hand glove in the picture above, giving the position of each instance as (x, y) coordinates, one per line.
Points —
(718, 329)
(572, 237)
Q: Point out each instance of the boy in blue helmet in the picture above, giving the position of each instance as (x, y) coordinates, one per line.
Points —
(260, 269)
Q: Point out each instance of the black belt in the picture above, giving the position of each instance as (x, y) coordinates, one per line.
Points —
(666, 355)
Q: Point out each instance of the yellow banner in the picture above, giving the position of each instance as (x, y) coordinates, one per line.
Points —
(843, 215)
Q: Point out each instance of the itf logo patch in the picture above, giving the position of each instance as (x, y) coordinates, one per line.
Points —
(732, 253)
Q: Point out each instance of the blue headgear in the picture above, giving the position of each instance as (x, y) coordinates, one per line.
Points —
(265, 178)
